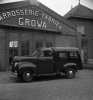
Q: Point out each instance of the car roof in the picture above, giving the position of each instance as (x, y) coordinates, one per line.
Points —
(65, 49)
(61, 48)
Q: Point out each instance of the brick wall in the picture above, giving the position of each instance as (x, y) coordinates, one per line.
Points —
(65, 41)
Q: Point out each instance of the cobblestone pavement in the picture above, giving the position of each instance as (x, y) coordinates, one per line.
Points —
(47, 88)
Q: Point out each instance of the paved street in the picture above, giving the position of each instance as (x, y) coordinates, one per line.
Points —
(47, 88)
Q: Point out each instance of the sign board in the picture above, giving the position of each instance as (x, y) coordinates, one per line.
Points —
(31, 17)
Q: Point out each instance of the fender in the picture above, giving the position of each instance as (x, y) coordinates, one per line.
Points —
(69, 64)
(26, 64)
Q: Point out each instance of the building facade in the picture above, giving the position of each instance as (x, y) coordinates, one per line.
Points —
(82, 18)
(26, 26)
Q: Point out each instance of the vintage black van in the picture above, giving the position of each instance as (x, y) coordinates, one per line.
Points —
(52, 60)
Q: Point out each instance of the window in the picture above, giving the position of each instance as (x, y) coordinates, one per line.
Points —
(73, 55)
(13, 44)
(13, 50)
(46, 54)
(62, 55)
(81, 29)
(37, 52)
(25, 48)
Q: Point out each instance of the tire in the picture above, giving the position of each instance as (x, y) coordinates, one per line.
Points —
(58, 74)
(70, 73)
(19, 75)
(27, 76)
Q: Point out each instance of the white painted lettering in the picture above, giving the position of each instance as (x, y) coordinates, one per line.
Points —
(8, 14)
(30, 12)
(26, 12)
(36, 13)
(33, 13)
(27, 22)
(57, 24)
(21, 21)
(53, 21)
(21, 12)
(43, 14)
(60, 27)
(17, 12)
(46, 16)
(33, 23)
(4, 15)
(44, 25)
(13, 13)
(1, 18)
(39, 24)
(49, 19)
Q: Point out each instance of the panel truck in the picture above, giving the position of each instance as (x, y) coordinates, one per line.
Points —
(51, 60)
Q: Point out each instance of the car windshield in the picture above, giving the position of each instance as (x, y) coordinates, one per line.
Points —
(37, 52)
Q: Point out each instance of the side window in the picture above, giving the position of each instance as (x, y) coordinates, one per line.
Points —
(81, 29)
(46, 54)
(73, 55)
(62, 55)
(42, 54)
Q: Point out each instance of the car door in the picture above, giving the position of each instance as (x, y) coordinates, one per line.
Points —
(60, 60)
(75, 58)
(45, 63)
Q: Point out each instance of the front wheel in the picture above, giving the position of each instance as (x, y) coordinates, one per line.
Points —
(70, 73)
(27, 76)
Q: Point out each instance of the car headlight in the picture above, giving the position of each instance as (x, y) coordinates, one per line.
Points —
(15, 64)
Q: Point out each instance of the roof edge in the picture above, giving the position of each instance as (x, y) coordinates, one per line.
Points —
(84, 17)
(71, 13)
(56, 15)
(11, 5)
(25, 3)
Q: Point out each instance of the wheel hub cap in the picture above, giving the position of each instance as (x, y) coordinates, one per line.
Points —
(70, 72)
(28, 75)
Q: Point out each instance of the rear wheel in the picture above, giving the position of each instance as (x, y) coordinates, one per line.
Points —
(27, 76)
(70, 73)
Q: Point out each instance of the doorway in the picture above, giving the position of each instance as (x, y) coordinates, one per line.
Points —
(84, 50)
(13, 50)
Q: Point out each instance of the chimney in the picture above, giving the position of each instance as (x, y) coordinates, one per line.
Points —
(79, 2)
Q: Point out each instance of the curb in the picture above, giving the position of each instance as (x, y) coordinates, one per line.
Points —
(88, 66)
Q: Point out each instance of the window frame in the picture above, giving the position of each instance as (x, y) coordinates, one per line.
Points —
(66, 55)
(46, 56)
(74, 56)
